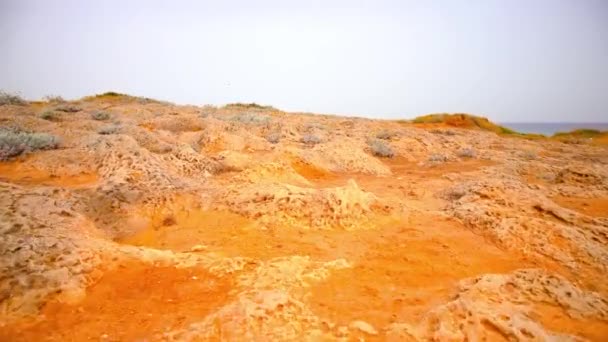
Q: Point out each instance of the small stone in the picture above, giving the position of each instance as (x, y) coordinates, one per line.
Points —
(364, 327)
(197, 248)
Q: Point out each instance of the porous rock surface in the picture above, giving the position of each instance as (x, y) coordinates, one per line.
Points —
(312, 239)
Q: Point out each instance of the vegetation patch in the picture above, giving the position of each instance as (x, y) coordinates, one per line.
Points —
(54, 99)
(466, 152)
(310, 139)
(14, 142)
(380, 148)
(273, 138)
(248, 118)
(386, 134)
(251, 105)
(100, 116)
(437, 158)
(11, 99)
(49, 115)
(68, 108)
(463, 121)
(109, 129)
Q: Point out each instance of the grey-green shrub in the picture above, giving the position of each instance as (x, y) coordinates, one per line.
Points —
(273, 138)
(100, 116)
(380, 148)
(437, 158)
(68, 108)
(48, 115)
(54, 99)
(14, 142)
(310, 139)
(466, 152)
(248, 118)
(11, 99)
(386, 135)
(109, 129)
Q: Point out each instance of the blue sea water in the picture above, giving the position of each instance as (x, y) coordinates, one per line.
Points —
(550, 128)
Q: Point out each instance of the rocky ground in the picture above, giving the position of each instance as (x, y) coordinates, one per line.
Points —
(150, 221)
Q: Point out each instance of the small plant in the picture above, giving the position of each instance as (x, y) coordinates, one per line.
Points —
(466, 152)
(68, 108)
(48, 115)
(310, 139)
(109, 129)
(312, 126)
(386, 135)
(273, 138)
(437, 158)
(207, 110)
(14, 142)
(11, 99)
(249, 118)
(443, 131)
(454, 194)
(380, 148)
(110, 94)
(252, 105)
(100, 116)
(54, 99)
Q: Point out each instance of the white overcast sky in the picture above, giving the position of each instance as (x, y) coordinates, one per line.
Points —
(510, 60)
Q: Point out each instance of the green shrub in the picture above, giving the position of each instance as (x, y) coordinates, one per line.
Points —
(110, 94)
(48, 115)
(252, 105)
(14, 142)
(380, 148)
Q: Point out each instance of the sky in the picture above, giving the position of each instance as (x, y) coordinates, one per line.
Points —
(511, 60)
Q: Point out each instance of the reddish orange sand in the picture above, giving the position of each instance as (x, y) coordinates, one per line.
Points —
(130, 303)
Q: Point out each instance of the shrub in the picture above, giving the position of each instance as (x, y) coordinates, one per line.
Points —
(310, 139)
(48, 115)
(386, 135)
(437, 158)
(206, 110)
(68, 108)
(11, 99)
(109, 129)
(252, 105)
(312, 126)
(54, 99)
(100, 116)
(274, 138)
(466, 152)
(443, 131)
(110, 94)
(14, 142)
(249, 118)
(380, 148)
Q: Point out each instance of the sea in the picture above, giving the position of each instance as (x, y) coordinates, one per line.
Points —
(550, 128)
